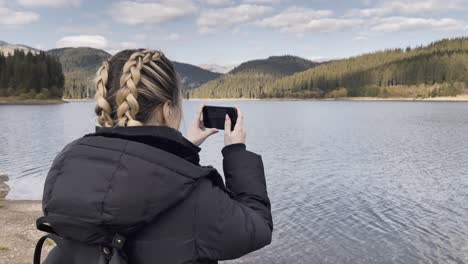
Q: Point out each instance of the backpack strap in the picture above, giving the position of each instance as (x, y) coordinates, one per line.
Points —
(111, 243)
(71, 228)
(40, 244)
(42, 224)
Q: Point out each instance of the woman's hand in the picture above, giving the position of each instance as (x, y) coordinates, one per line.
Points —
(197, 132)
(238, 135)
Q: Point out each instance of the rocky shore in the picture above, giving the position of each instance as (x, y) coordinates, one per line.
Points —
(18, 234)
(4, 188)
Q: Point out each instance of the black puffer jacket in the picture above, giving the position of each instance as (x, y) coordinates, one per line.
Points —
(146, 183)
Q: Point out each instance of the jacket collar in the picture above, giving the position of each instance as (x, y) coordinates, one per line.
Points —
(161, 137)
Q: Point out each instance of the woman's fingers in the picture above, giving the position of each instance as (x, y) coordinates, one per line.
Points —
(198, 114)
(227, 125)
(211, 131)
(238, 135)
(240, 119)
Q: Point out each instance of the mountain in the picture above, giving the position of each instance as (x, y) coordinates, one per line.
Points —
(438, 69)
(217, 68)
(9, 49)
(193, 76)
(250, 79)
(276, 65)
(80, 66)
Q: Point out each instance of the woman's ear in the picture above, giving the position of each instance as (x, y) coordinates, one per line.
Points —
(167, 113)
(171, 115)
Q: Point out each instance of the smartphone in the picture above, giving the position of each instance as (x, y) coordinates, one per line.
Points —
(215, 116)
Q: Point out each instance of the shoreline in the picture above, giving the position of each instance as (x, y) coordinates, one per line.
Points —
(460, 98)
(18, 101)
(78, 100)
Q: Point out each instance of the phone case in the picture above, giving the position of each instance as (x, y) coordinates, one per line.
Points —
(214, 116)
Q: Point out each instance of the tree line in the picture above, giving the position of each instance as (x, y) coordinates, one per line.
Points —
(31, 76)
(439, 69)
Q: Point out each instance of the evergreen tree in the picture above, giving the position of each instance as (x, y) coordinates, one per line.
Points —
(30, 76)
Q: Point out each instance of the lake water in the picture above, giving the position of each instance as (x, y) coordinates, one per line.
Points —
(350, 182)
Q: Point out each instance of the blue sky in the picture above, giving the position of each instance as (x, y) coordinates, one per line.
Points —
(232, 31)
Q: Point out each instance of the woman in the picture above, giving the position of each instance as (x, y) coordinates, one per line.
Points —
(134, 192)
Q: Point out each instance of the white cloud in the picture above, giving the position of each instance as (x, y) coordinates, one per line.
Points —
(212, 20)
(151, 12)
(93, 41)
(301, 20)
(261, 1)
(414, 7)
(172, 37)
(217, 2)
(10, 17)
(49, 3)
(394, 24)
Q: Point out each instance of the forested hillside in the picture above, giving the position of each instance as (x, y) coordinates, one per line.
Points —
(250, 79)
(30, 76)
(79, 67)
(276, 65)
(439, 69)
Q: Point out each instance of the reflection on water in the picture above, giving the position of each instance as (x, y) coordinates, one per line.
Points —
(350, 182)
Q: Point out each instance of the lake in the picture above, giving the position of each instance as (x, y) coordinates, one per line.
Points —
(350, 182)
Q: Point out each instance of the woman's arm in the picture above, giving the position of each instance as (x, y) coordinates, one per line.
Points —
(235, 224)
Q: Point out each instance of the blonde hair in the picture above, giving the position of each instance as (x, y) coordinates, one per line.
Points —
(132, 85)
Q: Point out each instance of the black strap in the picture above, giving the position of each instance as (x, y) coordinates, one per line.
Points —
(112, 254)
(40, 244)
(42, 223)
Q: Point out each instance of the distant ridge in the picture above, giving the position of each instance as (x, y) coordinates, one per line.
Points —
(8, 49)
(251, 78)
(194, 76)
(276, 65)
(217, 68)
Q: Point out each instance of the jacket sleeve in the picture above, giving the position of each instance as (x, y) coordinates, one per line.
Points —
(233, 224)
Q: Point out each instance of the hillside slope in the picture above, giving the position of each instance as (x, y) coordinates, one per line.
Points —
(79, 67)
(194, 76)
(276, 65)
(250, 79)
(439, 69)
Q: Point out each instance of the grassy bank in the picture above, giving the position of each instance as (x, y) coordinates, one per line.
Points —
(13, 100)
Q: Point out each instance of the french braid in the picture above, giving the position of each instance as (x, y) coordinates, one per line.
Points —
(103, 108)
(140, 82)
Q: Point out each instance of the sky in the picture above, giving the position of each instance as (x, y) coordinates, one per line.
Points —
(228, 32)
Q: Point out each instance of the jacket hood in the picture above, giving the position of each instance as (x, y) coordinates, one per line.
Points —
(122, 178)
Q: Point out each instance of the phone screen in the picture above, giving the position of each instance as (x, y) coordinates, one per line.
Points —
(214, 116)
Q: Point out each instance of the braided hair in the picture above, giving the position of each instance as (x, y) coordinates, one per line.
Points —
(132, 85)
